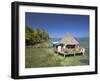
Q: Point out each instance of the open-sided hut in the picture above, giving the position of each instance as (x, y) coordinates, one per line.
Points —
(69, 45)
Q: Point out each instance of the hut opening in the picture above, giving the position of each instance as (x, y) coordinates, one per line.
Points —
(70, 46)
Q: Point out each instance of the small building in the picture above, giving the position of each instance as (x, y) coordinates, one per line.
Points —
(68, 45)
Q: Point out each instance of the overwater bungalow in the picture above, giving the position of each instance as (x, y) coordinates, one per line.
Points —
(69, 45)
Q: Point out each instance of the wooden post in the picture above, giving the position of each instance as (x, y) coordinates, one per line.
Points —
(83, 54)
(74, 53)
(64, 55)
(83, 51)
(57, 53)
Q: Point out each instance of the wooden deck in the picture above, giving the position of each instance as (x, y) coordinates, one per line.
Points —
(71, 51)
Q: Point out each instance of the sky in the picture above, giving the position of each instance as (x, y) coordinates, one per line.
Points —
(57, 25)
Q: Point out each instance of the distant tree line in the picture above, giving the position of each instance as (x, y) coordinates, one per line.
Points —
(34, 36)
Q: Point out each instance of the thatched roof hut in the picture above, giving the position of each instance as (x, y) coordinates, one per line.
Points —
(68, 39)
(69, 45)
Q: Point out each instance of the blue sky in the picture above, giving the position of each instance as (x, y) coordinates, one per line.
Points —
(57, 25)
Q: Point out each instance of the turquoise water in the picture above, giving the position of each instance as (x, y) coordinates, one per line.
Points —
(84, 42)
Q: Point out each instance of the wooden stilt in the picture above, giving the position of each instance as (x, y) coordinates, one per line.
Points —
(57, 53)
(64, 55)
(83, 54)
(74, 53)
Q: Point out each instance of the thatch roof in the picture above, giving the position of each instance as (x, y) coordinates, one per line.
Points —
(68, 39)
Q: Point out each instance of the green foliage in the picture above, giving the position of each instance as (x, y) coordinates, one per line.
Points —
(34, 36)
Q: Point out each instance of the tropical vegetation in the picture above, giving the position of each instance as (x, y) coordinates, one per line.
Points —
(36, 35)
